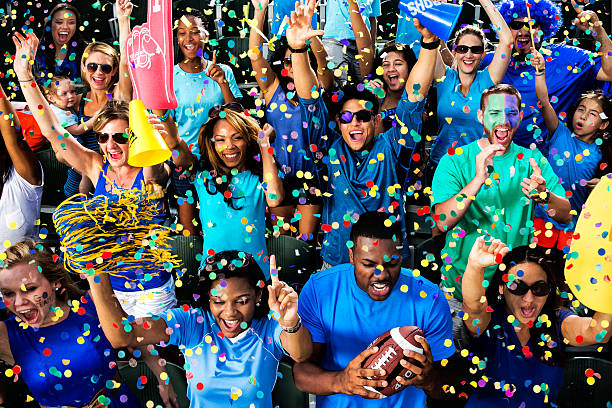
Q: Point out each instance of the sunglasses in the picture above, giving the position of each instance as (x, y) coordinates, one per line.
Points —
(519, 288)
(93, 67)
(287, 61)
(119, 137)
(216, 110)
(518, 25)
(363, 115)
(463, 49)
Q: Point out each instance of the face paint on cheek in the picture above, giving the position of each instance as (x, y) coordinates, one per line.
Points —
(501, 110)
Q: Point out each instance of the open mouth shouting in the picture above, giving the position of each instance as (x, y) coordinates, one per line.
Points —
(30, 316)
(380, 289)
(527, 312)
(115, 155)
(523, 41)
(98, 81)
(63, 37)
(393, 80)
(502, 135)
(356, 136)
(230, 326)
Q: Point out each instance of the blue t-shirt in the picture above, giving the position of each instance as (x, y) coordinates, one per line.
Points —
(226, 228)
(129, 280)
(506, 363)
(458, 114)
(290, 151)
(69, 362)
(196, 94)
(224, 372)
(282, 9)
(342, 316)
(357, 182)
(563, 84)
(338, 21)
(575, 162)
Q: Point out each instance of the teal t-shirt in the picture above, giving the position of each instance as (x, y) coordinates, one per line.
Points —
(500, 208)
(242, 228)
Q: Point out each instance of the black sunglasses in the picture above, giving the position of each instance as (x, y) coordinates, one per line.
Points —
(519, 288)
(463, 49)
(119, 137)
(216, 110)
(93, 67)
(363, 115)
(518, 25)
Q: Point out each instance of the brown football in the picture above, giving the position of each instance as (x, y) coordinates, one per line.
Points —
(391, 346)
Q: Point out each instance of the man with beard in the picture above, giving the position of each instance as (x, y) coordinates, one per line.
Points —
(489, 187)
(569, 70)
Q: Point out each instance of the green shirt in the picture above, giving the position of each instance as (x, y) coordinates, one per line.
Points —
(500, 208)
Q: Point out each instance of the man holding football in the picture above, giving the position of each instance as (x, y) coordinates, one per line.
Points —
(348, 306)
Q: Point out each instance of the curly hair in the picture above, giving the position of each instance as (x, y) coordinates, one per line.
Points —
(544, 330)
(546, 14)
(233, 264)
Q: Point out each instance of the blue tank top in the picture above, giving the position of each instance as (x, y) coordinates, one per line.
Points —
(130, 281)
(67, 363)
(291, 153)
(87, 139)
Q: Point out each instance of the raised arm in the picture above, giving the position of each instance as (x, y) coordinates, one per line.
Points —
(299, 35)
(501, 58)
(123, 91)
(422, 73)
(77, 156)
(283, 301)
(25, 162)
(588, 20)
(181, 155)
(265, 77)
(548, 112)
(274, 185)
(363, 38)
(475, 304)
(113, 318)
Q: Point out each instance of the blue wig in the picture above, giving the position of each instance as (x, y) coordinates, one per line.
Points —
(545, 13)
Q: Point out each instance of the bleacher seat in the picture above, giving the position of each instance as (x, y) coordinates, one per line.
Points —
(186, 249)
(577, 393)
(285, 393)
(296, 260)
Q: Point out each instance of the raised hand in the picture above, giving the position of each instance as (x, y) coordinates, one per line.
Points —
(25, 53)
(260, 5)
(585, 19)
(215, 72)
(125, 7)
(150, 51)
(300, 24)
(535, 182)
(282, 299)
(537, 61)
(484, 159)
(428, 36)
(266, 137)
(485, 254)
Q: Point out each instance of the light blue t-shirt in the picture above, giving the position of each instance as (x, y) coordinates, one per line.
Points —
(196, 94)
(575, 162)
(458, 114)
(226, 228)
(342, 316)
(338, 19)
(563, 84)
(224, 372)
(357, 182)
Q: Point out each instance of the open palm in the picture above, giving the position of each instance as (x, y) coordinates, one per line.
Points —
(300, 24)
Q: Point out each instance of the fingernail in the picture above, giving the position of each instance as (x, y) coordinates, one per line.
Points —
(384, 384)
(382, 372)
(375, 349)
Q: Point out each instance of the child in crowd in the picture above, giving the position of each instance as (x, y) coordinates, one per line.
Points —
(579, 153)
(62, 97)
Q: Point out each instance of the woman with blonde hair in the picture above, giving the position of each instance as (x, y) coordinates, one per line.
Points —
(55, 329)
(235, 178)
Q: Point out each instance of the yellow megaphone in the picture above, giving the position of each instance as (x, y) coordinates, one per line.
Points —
(588, 268)
(147, 146)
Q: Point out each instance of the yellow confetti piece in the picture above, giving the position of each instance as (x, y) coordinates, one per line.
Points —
(404, 288)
